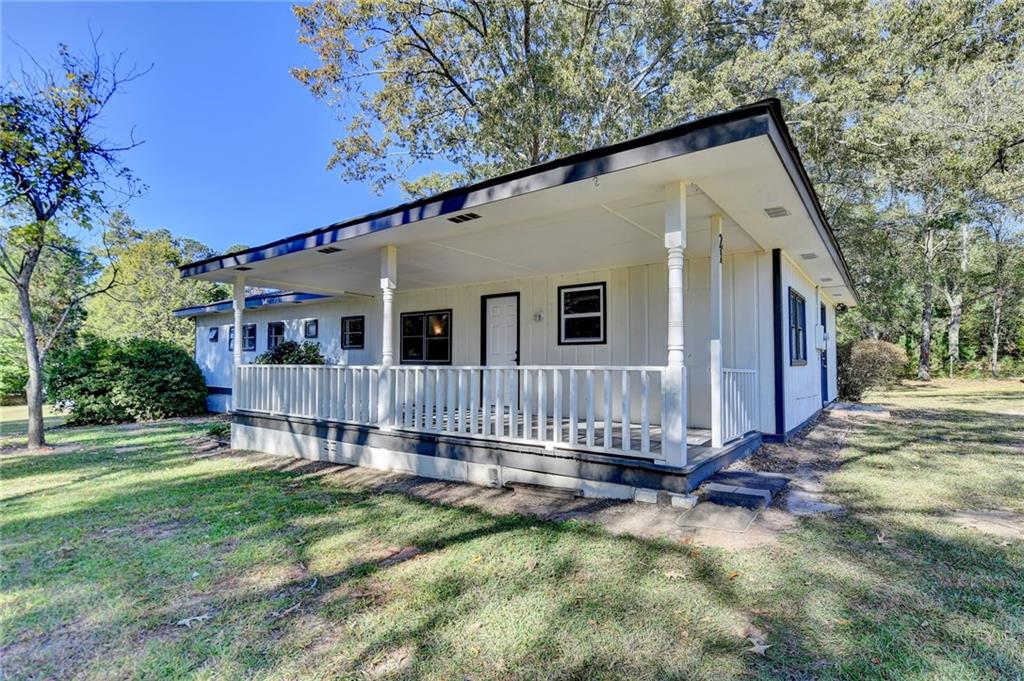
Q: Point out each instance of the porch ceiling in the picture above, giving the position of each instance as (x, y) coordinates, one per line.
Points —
(613, 219)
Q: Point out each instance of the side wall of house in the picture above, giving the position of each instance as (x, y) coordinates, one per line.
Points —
(802, 382)
(637, 324)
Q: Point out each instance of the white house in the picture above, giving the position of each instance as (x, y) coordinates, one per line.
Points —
(635, 316)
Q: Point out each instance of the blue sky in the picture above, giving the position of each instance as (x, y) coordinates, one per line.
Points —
(235, 148)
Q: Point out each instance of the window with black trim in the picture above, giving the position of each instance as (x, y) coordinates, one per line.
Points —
(311, 328)
(275, 334)
(213, 335)
(353, 333)
(248, 337)
(797, 329)
(582, 314)
(427, 337)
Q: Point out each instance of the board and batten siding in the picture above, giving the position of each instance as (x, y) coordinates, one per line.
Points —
(636, 331)
(802, 383)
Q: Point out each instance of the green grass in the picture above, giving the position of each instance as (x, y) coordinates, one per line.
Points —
(14, 419)
(103, 552)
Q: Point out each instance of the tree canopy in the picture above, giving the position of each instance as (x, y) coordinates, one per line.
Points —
(909, 116)
(148, 285)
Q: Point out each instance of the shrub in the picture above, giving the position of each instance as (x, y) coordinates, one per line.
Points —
(290, 352)
(869, 364)
(105, 381)
(220, 430)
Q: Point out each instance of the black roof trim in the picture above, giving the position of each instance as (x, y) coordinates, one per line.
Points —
(251, 302)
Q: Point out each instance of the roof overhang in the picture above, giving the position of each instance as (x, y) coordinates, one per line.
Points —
(253, 302)
(743, 161)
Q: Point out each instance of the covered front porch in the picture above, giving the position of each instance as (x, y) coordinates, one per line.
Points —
(611, 308)
(587, 394)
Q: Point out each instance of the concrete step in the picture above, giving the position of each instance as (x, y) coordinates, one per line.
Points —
(743, 488)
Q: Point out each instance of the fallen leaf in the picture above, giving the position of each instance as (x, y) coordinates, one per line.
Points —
(196, 619)
(758, 647)
(278, 615)
(694, 553)
(875, 660)
(532, 564)
(733, 575)
(880, 538)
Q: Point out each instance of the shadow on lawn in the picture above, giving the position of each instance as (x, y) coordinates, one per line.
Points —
(834, 601)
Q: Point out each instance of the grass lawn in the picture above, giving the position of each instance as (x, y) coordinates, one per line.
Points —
(14, 419)
(109, 551)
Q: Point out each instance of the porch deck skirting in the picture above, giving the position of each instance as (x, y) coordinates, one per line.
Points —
(462, 459)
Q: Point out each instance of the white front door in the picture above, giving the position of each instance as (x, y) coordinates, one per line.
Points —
(501, 324)
(501, 348)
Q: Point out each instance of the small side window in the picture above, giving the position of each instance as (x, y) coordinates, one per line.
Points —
(213, 334)
(797, 329)
(582, 314)
(275, 334)
(353, 333)
(249, 337)
(311, 328)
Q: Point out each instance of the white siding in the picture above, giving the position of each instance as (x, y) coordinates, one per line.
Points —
(803, 383)
(637, 324)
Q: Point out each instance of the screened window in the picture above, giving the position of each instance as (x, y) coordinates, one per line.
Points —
(311, 329)
(582, 314)
(213, 334)
(797, 328)
(275, 334)
(353, 333)
(427, 337)
(248, 337)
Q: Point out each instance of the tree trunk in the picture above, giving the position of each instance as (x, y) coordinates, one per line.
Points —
(956, 298)
(924, 363)
(997, 310)
(34, 387)
(956, 311)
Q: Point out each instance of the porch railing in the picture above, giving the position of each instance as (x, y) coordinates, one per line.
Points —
(333, 393)
(739, 403)
(607, 409)
(613, 409)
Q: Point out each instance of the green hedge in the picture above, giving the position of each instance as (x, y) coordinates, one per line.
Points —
(104, 381)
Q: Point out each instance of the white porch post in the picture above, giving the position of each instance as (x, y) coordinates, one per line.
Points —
(388, 283)
(673, 383)
(715, 309)
(238, 304)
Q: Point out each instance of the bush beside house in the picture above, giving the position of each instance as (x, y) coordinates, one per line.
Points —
(869, 364)
(105, 381)
(290, 352)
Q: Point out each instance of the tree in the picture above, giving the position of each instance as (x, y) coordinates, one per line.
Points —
(149, 286)
(492, 87)
(64, 273)
(909, 116)
(55, 169)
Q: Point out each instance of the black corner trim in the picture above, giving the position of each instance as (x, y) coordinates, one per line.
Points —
(217, 390)
(780, 392)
